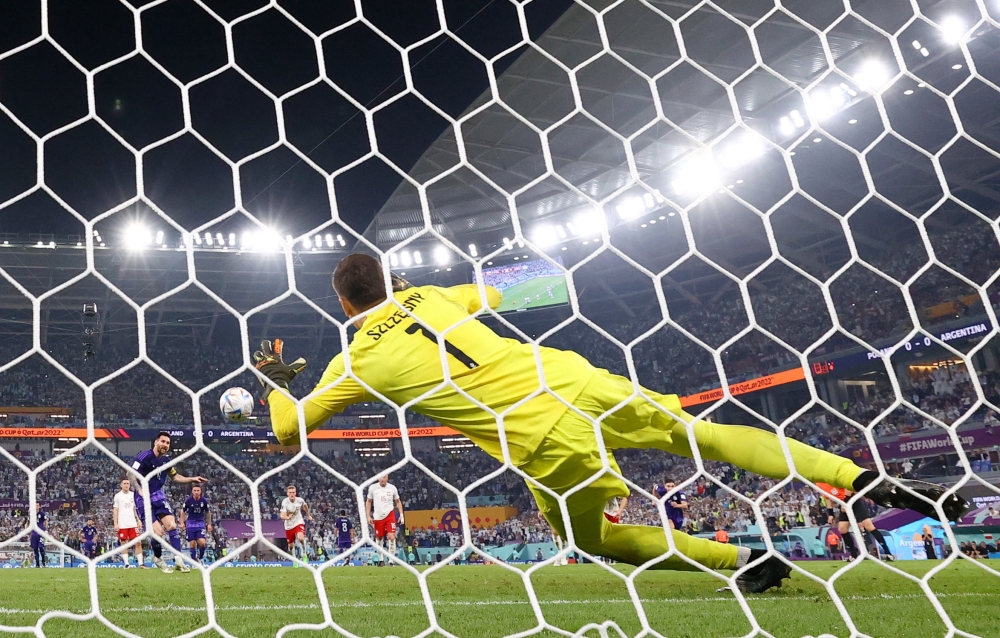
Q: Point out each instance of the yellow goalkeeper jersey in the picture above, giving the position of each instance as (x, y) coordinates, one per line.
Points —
(401, 359)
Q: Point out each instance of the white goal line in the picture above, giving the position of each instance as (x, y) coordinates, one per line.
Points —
(10, 611)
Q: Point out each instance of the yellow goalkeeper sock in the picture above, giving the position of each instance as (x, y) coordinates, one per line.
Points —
(758, 451)
(636, 544)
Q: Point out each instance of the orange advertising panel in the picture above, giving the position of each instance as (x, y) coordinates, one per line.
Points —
(950, 307)
(451, 519)
(829, 490)
(753, 385)
(383, 433)
(52, 433)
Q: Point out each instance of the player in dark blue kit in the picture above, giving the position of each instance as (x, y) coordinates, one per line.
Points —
(38, 541)
(196, 519)
(345, 531)
(146, 463)
(675, 505)
(89, 533)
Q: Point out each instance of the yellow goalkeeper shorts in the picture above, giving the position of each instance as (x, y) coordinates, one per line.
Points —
(569, 455)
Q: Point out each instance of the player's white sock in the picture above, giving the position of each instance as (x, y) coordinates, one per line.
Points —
(742, 556)
(392, 546)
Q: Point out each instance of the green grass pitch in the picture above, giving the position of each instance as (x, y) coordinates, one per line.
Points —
(534, 294)
(489, 601)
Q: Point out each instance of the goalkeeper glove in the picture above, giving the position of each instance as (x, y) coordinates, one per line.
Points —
(398, 283)
(268, 361)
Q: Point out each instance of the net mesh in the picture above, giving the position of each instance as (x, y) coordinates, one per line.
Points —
(796, 131)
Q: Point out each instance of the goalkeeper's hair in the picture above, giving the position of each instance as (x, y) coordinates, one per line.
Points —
(358, 279)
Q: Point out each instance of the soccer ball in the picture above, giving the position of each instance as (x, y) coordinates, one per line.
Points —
(236, 404)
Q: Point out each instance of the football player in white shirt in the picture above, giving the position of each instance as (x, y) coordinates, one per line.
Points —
(126, 521)
(291, 512)
(382, 496)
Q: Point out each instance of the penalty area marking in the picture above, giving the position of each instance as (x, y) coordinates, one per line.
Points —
(8, 611)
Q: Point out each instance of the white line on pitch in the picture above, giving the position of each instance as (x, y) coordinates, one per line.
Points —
(483, 603)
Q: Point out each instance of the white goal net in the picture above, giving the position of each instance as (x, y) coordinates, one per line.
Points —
(729, 201)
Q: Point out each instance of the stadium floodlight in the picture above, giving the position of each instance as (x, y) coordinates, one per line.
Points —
(739, 152)
(561, 231)
(797, 118)
(697, 175)
(197, 238)
(247, 240)
(405, 258)
(545, 236)
(417, 259)
(848, 90)
(220, 239)
(340, 240)
(590, 223)
(872, 75)
(630, 208)
(953, 29)
(329, 240)
(232, 239)
(441, 255)
(473, 250)
(822, 104)
(137, 237)
(306, 243)
(785, 125)
(393, 260)
(267, 240)
(317, 241)
(159, 237)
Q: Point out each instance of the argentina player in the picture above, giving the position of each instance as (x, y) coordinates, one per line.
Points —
(146, 463)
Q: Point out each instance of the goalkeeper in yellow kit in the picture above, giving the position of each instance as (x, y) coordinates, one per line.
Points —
(401, 359)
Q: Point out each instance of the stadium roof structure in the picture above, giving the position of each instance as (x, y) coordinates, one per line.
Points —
(243, 279)
(673, 154)
(696, 158)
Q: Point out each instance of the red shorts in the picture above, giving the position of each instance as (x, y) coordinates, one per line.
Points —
(613, 519)
(290, 533)
(126, 534)
(386, 526)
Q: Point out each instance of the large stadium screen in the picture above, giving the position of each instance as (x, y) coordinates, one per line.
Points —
(528, 285)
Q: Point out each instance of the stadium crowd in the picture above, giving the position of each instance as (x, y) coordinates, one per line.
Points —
(665, 361)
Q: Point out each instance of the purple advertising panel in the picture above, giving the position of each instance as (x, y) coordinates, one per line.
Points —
(915, 446)
(244, 529)
(49, 506)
